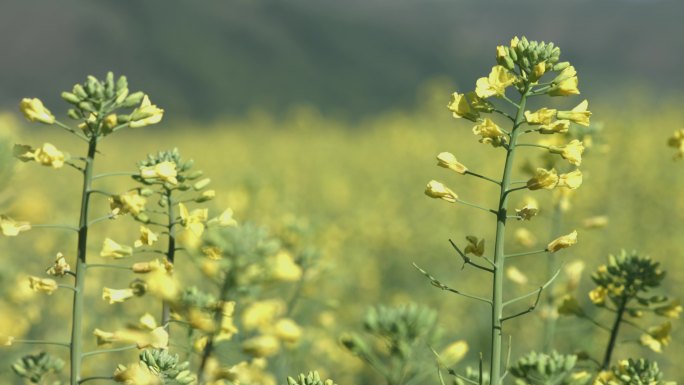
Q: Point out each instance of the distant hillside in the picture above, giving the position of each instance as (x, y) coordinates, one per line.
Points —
(206, 58)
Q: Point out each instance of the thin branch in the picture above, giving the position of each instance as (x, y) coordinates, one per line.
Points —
(113, 350)
(442, 286)
(526, 253)
(529, 310)
(593, 321)
(108, 174)
(512, 119)
(102, 192)
(95, 378)
(71, 130)
(105, 265)
(467, 260)
(100, 219)
(81, 169)
(69, 287)
(464, 378)
(476, 206)
(533, 292)
(532, 145)
(50, 226)
(515, 189)
(41, 342)
(516, 105)
(496, 182)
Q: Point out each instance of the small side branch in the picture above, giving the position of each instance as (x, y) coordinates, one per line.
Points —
(533, 292)
(49, 226)
(526, 253)
(477, 206)
(529, 310)
(502, 113)
(467, 260)
(103, 351)
(496, 182)
(41, 342)
(105, 175)
(442, 286)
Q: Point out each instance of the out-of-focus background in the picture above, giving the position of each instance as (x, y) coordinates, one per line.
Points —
(329, 114)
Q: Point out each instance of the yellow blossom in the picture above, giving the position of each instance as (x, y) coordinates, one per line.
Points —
(228, 328)
(129, 202)
(117, 295)
(490, 133)
(436, 189)
(598, 295)
(572, 152)
(448, 160)
(570, 306)
(524, 237)
(543, 179)
(453, 353)
(677, 142)
(517, 276)
(474, 246)
(514, 42)
(562, 242)
(573, 271)
(163, 285)
(495, 84)
(261, 346)
(135, 374)
(104, 337)
(12, 228)
(148, 322)
(529, 210)
(541, 116)
(146, 114)
(670, 310)
(571, 180)
(579, 114)
(200, 320)
(262, 313)
(165, 171)
(223, 220)
(565, 83)
(60, 267)
(46, 285)
(283, 267)
(111, 249)
(595, 222)
(6, 340)
(147, 237)
(555, 127)
(212, 252)
(49, 155)
(110, 121)
(657, 337)
(287, 330)
(468, 106)
(146, 267)
(538, 71)
(35, 111)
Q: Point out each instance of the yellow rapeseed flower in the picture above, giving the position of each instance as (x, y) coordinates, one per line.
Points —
(562, 242)
(565, 83)
(598, 295)
(495, 84)
(543, 179)
(595, 222)
(571, 180)
(671, 310)
(104, 338)
(163, 285)
(117, 295)
(677, 142)
(570, 306)
(448, 160)
(129, 202)
(517, 276)
(46, 285)
(165, 171)
(35, 111)
(461, 108)
(49, 155)
(60, 267)
(261, 346)
(12, 228)
(147, 237)
(530, 209)
(572, 152)
(436, 189)
(262, 314)
(657, 337)
(136, 374)
(579, 114)
(224, 220)
(453, 353)
(287, 330)
(146, 114)
(6, 340)
(112, 249)
(524, 237)
(146, 267)
(490, 133)
(283, 267)
(555, 127)
(541, 116)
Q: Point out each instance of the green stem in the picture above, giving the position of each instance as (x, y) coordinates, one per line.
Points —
(96, 378)
(170, 255)
(468, 172)
(461, 201)
(41, 342)
(228, 283)
(48, 226)
(109, 266)
(105, 175)
(614, 333)
(112, 350)
(551, 319)
(79, 285)
(499, 255)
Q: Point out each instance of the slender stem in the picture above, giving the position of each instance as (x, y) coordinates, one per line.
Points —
(475, 206)
(614, 333)
(533, 145)
(79, 285)
(438, 284)
(71, 130)
(551, 262)
(499, 255)
(170, 253)
(109, 266)
(502, 113)
(112, 350)
(527, 253)
(96, 378)
(69, 287)
(108, 174)
(593, 321)
(468, 172)
(101, 192)
(41, 342)
(100, 219)
(49, 226)
(228, 283)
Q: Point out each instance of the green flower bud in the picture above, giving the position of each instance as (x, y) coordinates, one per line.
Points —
(561, 66)
(70, 98)
(201, 184)
(74, 114)
(109, 85)
(133, 99)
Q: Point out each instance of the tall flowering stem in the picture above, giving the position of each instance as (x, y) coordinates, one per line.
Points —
(170, 251)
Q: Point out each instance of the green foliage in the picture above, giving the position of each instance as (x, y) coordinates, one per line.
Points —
(313, 378)
(34, 367)
(546, 369)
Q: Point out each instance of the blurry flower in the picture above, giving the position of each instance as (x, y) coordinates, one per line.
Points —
(541, 116)
(146, 114)
(261, 346)
(200, 320)
(657, 337)
(12, 228)
(135, 374)
(571, 180)
(146, 267)
(111, 249)
(596, 222)
(561, 197)
(562, 242)
(448, 160)
(573, 271)
(565, 83)
(677, 142)
(453, 353)
(147, 237)
(490, 133)
(46, 285)
(262, 313)
(543, 179)
(436, 189)
(35, 111)
(161, 284)
(165, 171)
(117, 295)
(556, 127)
(598, 295)
(60, 267)
(572, 152)
(517, 276)
(529, 210)
(570, 306)
(287, 330)
(110, 122)
(474, 246)
(148, 322)
(579, 114)
(283, 267)
(212, 252)
(495, 84)
(223, 220)
(228, 328)
(104, 337)
(670, 310)
(524, 237)
(129, 202)
(6, 340)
